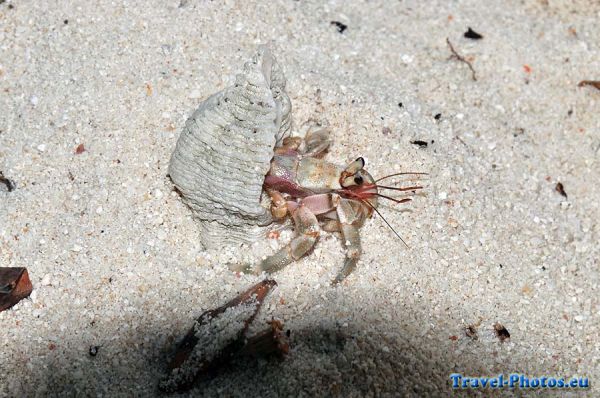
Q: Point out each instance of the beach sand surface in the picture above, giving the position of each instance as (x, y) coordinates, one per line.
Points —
(114, 254)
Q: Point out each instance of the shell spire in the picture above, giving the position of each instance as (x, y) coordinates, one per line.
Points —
(225, 150)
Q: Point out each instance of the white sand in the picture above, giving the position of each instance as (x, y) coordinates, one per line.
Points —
(114, 257)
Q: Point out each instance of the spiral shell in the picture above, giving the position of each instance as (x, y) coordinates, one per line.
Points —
(225, 149)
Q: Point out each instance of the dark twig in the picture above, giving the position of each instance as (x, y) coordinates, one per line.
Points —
(460, 58)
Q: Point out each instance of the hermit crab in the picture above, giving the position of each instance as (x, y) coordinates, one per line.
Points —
(238, 145)
(319, 194)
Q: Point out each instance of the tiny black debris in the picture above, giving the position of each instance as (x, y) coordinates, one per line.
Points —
(400, 105)
(561, 189)
(471, 34)
(94, 350)
(422, 144)
(471, 332)
(341, 27)
(66, 21)
(437, 116)
(501, 332)
(10, 185)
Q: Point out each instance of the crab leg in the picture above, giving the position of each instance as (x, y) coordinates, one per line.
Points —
(278, 204)
(317, 142)
(347, 219)
(308, 232)
(289, 144)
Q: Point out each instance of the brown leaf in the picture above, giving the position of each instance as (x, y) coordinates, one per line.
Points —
(14, 286)
(593, 83)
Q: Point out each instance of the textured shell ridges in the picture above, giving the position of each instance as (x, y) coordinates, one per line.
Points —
(225, 149)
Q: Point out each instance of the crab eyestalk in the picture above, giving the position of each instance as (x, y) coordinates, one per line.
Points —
(347, 178)
(359, 186)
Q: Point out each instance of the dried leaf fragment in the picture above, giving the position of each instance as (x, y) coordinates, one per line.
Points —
(217, 336)
(593, 83)
(15, 285)
(272, 341)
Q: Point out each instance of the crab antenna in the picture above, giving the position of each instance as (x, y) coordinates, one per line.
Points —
(400, 189)
(394, 199)
(400, 174)
(384, 220)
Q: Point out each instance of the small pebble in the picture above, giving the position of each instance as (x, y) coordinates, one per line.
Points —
(195, 94)
(45, 280)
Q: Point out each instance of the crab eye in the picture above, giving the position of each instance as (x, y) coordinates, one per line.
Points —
(358, 180)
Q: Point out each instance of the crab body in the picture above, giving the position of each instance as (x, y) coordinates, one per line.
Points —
(317, 195)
